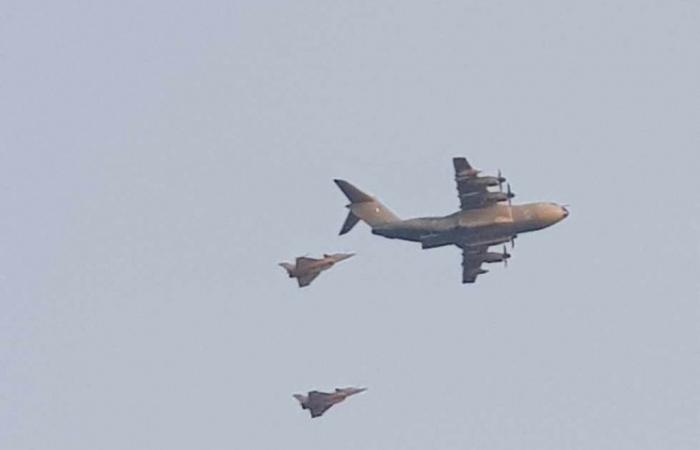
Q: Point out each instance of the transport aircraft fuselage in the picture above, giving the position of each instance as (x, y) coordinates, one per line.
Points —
(484, 225)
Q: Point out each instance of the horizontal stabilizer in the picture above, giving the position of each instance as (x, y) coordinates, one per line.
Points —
(350, 222)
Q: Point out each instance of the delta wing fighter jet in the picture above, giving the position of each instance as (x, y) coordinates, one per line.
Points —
(305, 270)
(486, 218)
(319, 402)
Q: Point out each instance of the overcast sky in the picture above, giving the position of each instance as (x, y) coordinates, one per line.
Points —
(158, 159)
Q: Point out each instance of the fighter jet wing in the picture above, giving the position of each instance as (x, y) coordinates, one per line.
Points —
(471, 263)
(318, 403)
(316, 395)
(307, 279)
(303, 262)
(318, 411)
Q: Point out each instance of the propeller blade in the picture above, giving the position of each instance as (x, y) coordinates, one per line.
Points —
(505, 257)
(510, 195)
(500, 181)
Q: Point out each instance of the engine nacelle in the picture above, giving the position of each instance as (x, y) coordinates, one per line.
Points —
(479, 198)
(493, 257)
(480, 181)
(467, 174)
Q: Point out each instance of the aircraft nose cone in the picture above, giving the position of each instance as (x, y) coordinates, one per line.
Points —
(565, 212)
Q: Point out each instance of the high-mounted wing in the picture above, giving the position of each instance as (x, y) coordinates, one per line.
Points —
(473, 189)
(472, 258)
(470, 193)
(475, 254)
(307, 279)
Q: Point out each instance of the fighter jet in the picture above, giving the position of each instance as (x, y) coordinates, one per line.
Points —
(305, 269)
(486, 218)
(318, 402)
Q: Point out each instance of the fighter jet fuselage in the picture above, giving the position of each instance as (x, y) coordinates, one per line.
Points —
(319, 266)
(305, 269)
(319, 402)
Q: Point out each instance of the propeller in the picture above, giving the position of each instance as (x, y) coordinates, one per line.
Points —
(512, 242)
(510, 194)
(500, 181)
(505, 257)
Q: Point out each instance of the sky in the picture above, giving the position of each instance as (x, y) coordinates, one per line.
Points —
(158, 159)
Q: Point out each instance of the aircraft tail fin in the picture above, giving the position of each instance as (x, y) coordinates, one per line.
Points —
(301, 399)
(363, 207)
(288, 267)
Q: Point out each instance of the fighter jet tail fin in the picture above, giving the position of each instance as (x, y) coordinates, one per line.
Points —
(301, 399)
(288, 267)
(363, 207)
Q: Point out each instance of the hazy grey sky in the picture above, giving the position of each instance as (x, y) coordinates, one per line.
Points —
(157, 159)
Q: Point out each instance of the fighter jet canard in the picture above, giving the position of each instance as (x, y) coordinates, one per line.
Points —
(486, 218)
(319, 402)
(305, 269)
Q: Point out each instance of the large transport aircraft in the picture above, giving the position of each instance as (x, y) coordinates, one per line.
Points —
(486, 218)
